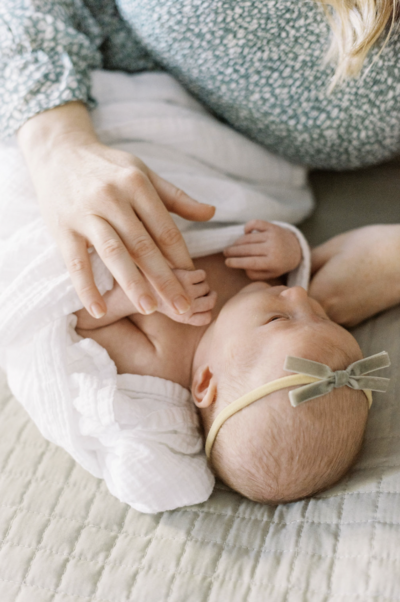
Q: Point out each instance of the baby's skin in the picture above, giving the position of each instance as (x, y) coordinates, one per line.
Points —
(242, 325)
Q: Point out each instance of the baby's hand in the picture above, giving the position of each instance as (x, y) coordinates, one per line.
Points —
(265, 251)
(202, 298)
(119, 306)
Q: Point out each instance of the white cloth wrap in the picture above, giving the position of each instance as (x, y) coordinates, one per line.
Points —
(139, 433)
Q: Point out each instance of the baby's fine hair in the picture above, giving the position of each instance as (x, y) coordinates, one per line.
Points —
(272, 453)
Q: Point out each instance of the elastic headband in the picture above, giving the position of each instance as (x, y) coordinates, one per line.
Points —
(318, 379)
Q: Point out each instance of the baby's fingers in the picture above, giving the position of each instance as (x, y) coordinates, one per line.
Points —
(248, 263)
(254, 237)
(76, 256)
(201, 319)
(245, 250)
(202, 310)
(199, 290)
(258, 224)
(194, 282)
(204, 304)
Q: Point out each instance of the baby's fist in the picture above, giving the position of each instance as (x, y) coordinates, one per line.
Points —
(265, 251)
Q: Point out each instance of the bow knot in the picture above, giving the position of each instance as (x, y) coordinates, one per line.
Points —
(341, 378)
(326, 380)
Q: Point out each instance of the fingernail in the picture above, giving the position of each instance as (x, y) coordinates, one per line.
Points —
(96, 311)
(147, 304)
(181, 305)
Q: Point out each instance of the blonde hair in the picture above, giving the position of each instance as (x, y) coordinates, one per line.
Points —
(356, 26)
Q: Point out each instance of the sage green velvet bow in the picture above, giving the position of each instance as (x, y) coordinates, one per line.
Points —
(353, 376)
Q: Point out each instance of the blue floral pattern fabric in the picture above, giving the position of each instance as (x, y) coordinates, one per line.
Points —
(256, 64)
(49, 48)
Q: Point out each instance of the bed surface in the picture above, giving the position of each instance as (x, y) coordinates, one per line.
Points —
(64, 538)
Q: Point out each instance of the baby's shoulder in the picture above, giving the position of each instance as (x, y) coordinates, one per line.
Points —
(172, 346)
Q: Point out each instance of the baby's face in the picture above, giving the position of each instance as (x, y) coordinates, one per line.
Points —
(263, 324)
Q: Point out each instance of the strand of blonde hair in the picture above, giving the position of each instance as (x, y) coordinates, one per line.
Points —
(356, 27)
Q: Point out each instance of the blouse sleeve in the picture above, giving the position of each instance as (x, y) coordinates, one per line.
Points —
(48, 49)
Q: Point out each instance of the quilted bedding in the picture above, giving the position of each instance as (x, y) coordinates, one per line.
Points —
(65, 538)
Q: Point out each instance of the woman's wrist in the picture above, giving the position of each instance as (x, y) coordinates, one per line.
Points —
(64, 126)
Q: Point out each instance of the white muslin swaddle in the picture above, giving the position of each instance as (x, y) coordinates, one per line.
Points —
(140, 433)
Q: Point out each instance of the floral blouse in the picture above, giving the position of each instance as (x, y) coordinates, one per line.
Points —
(256, 64)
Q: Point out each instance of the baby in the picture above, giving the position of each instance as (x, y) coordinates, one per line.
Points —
(242, 325)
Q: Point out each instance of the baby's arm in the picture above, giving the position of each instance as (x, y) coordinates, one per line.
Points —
(265, 251)
(126, 344)
(131, 349)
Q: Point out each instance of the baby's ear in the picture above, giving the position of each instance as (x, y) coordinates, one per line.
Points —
(204, 387)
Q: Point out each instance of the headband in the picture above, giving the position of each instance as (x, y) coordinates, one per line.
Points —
(318, 379)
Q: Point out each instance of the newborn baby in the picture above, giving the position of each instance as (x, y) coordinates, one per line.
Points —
(242, 325)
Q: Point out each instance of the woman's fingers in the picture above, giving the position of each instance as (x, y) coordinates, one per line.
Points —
(138, 248)
(179, 202)
(75, 253)
(152, 212)
(118, 306)
(114, 254)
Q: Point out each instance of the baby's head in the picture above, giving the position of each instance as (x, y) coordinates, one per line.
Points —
(271, 451)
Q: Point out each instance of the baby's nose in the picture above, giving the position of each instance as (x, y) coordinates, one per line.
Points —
(295, 294)
(297, 300)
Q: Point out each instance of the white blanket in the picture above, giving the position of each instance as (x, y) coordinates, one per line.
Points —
(68, 385)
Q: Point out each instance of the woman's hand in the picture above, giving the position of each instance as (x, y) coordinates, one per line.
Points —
(119, 306)
(357, 274)
(93, 195)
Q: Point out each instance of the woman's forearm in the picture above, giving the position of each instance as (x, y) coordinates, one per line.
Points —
(40, 136)
(356, 274)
